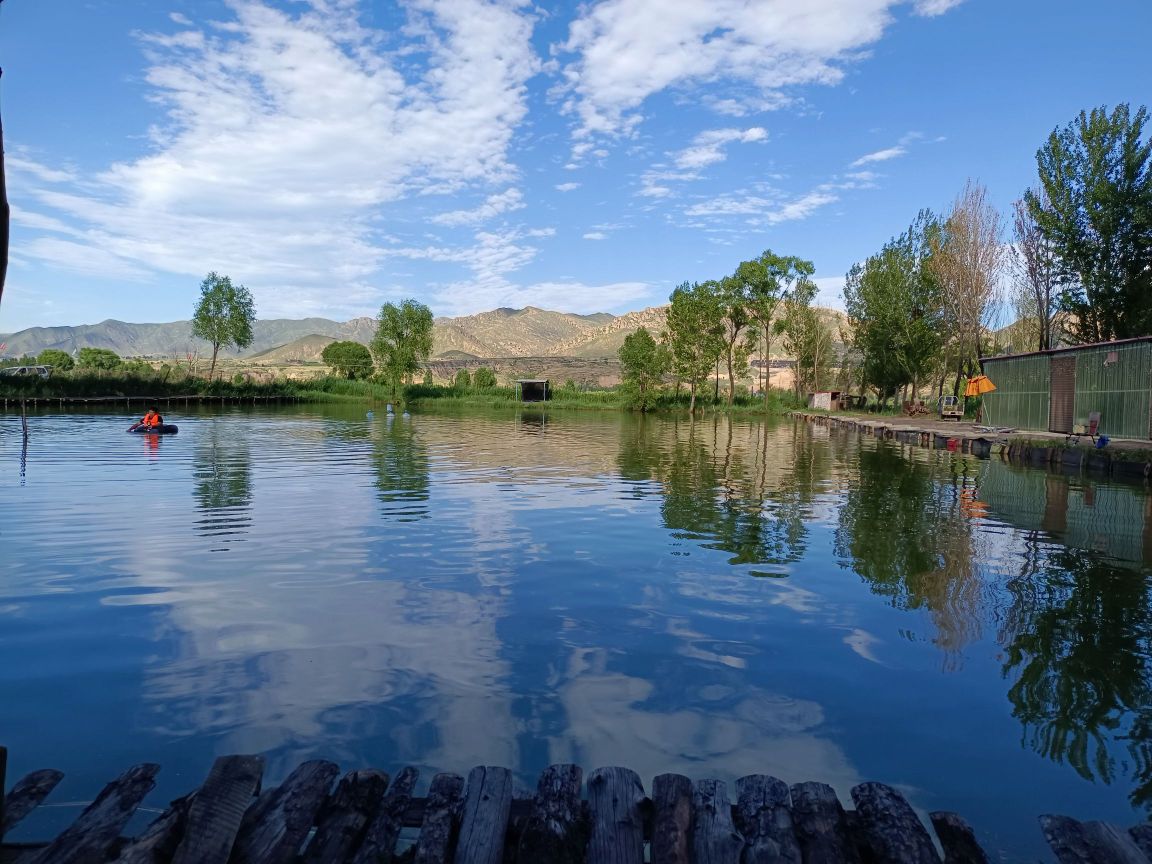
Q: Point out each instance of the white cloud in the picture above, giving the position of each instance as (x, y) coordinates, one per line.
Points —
(566, 187)
(766, 211)
(745, 50)
(595, 235)
(708, 146)
(503, 202)
(931, 8)
(880, 156)
(288, 136)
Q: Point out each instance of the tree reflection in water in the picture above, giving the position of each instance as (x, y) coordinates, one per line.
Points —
(401, 460)
(222, 482)
(1078, 643)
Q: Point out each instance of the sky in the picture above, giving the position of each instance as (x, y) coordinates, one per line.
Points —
(335, 155)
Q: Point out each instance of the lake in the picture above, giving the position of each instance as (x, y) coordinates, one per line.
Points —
(716, 598)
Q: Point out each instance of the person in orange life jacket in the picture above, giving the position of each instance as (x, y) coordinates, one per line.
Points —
(151, 420)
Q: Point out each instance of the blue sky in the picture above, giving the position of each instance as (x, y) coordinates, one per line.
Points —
(333, 154)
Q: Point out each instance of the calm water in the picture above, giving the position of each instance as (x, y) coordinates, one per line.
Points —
(519, 589)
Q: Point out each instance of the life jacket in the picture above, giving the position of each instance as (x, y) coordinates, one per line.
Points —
(152, 420)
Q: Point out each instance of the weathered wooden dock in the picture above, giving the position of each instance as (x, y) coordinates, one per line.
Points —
(363, 819)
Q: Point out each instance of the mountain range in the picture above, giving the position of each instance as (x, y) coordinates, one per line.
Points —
(528, 332)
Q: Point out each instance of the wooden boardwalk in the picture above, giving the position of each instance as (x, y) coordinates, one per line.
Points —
(369, 817)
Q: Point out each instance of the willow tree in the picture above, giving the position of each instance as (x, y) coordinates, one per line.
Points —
(403, 341)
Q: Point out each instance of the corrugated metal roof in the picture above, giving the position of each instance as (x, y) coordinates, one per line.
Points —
(1069, 348)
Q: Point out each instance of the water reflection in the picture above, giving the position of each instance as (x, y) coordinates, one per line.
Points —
(401, 461)
(221, 483)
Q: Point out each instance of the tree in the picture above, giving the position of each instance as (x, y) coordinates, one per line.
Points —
(736, 319)
(97, 358)
(1097, 177)
(60, 361)
(764, 282)
(463, 380)
(966, 254)
(403, 341)
(893, 301)
(643, 362)
(695, 334)
(483, 378)
(348, 358)
(1036, 283)
(224, 315)
(806, 337)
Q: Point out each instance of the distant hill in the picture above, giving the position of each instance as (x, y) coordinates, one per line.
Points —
(501, 333)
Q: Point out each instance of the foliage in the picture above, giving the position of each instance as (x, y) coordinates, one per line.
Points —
(349, 359)
(966, 254)
(1097, 177)
(224, 315)
(428, 380)
(97, 358)
(643, 362)
(483, 378)
(60, 361)
(1036, 284)
(806, 338)
(462, 381)
(894, 302)
(736, 319)
(764, 282)
(403, 341)
(695, 335)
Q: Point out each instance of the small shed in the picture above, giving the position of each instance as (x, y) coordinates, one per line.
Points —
(827, 400)
(534, 389)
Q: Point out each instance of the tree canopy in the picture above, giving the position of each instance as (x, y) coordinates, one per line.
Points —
(403, 341)
(643, 362)
(484, 378)
(224, 316)
(1097, 178)
(97, 358)
(349, 359)
(695, 334)
(60, 361)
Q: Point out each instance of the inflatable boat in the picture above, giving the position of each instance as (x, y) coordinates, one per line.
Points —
(166, 429)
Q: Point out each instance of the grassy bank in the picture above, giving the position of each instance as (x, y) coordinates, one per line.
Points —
(165, 385)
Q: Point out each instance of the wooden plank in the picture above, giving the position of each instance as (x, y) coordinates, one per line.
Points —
(764, 817)
(1090, 842)
(957, 838)
(714, 837)
(437, 830)
(554, 831)
(487, 805)
(88, 839)
(345, 817)
(26, 796)
(1142, 834)
(672, 822)
(215, 815)
(380, 839)
(890, 826)
(617, 827)
(274, 828)
(157, 844)
(821, 825)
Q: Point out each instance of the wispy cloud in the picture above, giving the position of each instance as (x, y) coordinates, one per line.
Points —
(566, 187)
(595, 235)
(708, 146)
(931, 8)
(503, 202)
(880, 156)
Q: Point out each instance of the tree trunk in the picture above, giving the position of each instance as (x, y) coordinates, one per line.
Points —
(692, 401)
(215, 351)
(731, 376)
(767, 363)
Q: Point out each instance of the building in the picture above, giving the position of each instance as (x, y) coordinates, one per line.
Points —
(534, 389)
(1057, 390)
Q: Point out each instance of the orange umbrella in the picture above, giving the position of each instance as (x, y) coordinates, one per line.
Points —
(979, 385)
